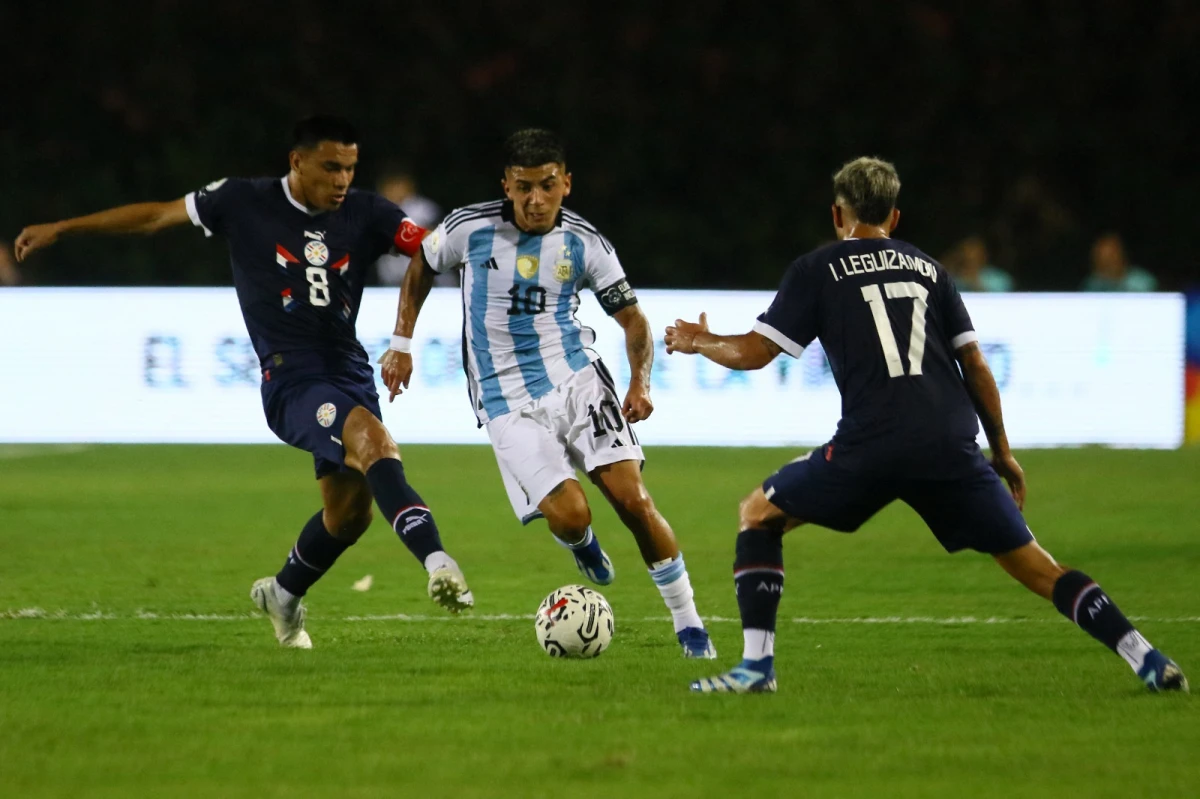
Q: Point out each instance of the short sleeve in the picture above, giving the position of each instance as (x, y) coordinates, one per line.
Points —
(960, 331)
(602, 271)
(209, 208)
(390, 222)
(444, 251)
(791, 320)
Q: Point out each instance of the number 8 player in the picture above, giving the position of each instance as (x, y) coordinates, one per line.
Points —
(300, 247)
(893, 326)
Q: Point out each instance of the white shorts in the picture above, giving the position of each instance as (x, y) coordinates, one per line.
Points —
(578, 425)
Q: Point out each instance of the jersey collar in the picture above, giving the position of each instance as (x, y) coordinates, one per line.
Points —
(287, 192)
(506, 213)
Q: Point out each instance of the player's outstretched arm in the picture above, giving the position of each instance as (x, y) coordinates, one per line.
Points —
(981, 385)
(396, 364)
(745, 352)
(639, 348)
(140, 218)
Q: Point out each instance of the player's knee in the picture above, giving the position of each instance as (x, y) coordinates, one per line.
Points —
(757, 513)
(750, 513)
(366, 440)
(637, 502)
(569, 512)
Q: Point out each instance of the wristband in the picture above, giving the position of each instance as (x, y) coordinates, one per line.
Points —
(401, 344)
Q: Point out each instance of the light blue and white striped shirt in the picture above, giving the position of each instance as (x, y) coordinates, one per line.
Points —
(520, 295)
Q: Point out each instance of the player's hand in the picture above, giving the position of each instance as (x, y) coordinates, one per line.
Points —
(396, 368)
(34, 238)
(681, 337)
(1007, 467)
(637, 404)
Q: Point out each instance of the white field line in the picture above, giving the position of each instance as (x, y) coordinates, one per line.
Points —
(16, 452)
(147, 615)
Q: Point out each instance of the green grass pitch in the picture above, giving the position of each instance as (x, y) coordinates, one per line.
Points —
(131, 663)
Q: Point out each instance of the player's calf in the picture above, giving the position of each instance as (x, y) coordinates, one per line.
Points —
(371, 451)
(622, 486)
(1084, 603)
(570, 520)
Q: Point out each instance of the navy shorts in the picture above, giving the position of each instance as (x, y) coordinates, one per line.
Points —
(307, 410)
(970, 509)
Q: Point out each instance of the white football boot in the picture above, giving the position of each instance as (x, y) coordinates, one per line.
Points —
(288, 622)
(448, 588)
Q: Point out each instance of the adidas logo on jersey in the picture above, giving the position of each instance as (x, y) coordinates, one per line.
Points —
(490, 263)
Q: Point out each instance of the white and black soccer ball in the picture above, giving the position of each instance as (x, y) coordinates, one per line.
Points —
(574, 622)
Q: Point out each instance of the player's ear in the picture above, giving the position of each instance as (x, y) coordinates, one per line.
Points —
(294, 160)
(837, 216)
(504, 186)
(566, 184)
(894, 221)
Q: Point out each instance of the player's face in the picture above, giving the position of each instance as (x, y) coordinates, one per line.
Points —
(326, 172)
(537, 194)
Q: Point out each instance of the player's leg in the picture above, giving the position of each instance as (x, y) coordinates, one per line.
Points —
(540, 481)
(370, 450)
(978, 512)
(344, 517)
(621, 483)
(1085, 603)
(810, 489)
(567, 513)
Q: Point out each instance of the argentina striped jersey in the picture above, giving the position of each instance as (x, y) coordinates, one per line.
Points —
(520, 293)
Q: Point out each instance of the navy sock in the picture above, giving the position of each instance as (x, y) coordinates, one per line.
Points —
(315, 551)
(758, 576)
(1081, 600)
(404, 509)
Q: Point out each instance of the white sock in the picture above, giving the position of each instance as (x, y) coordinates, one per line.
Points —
(437, 560)
(583, 543)
(759, 644)
(671, 577)
(285, 596)
(1134, 648)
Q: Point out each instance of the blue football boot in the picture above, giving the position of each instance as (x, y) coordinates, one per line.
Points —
(1160, 673)
(748, 677)
(696, 643)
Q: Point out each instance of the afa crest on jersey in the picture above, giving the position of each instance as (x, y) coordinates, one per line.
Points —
(564, 267)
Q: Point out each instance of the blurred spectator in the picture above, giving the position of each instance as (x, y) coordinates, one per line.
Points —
(399, 186)
(9, 275)
(1111, 270)
(968, 263)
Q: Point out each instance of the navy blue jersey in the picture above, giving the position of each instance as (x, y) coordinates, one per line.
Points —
(890, 319)
(299, 275)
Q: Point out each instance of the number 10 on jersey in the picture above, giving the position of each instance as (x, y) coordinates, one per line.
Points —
(883, 326)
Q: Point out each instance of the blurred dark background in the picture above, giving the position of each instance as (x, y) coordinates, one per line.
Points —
(701, 135)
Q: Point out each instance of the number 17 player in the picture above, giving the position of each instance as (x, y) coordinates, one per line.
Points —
(896, 333)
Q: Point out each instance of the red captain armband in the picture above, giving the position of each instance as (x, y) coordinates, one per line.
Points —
(408, 237)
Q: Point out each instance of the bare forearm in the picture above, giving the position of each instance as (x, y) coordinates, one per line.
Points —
(639, 347)
(139, 218)
(743, 352)
(417, 283)
(985, 396)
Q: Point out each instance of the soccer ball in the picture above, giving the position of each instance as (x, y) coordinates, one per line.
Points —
(574, 622)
